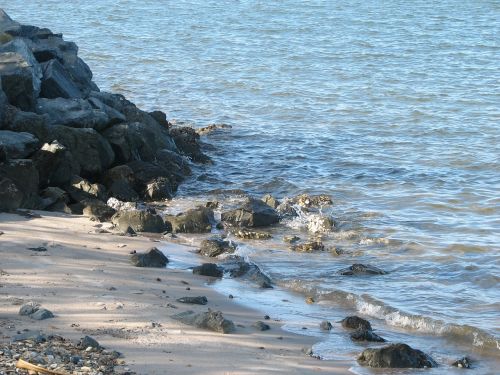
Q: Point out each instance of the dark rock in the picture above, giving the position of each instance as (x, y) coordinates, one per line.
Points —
(261, 326)
(216, 246)
(200, 300)
(123, 190)
(254, 213)
(395, 356)
(366, 335)
(38, 249)
(145, 173)
(42, 314)
(36, 336)
(19, 177)
(52, 196)
(208, 269)
(175, 163)
(270, 201)
(29, 122)
(55, 164)
(463, 362)
(239, 268)
(355, 322)
(11, 197)
(325, 325)
(211, 320)
(187, 141)
(153, 258)
(80, 189)
(97, 210)
(87, 341)
(159, 189)
(18, 145)
(29, 308)
(56, 81)
(139, 221)
(161, 118)
(197, 220)
(361, 269)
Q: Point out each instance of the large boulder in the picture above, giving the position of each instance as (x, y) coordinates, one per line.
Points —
(211, 320)
(147, 173)
(118, 181)
(355, 322)
(22, 174)
(29, 122)
(254, 213)
(187, 141)
(11, 197)
(213, 247)
(97, 210)
(78, 113)
(6, 23)
(55, 164)
(395, 356)
(3, 106)
(208, 269)
(18, 145)
(57, 83)
(153, 258)
(197, 220)
(139, 221)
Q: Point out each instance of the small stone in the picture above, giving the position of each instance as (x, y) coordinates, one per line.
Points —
(267, 317)
(310, 300)
(261, 326)
(464, 362)
(200, 300)
(230, 296)
(325, 325)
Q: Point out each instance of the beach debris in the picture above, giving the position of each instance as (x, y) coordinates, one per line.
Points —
(261, 326)
(153, 258)
(211, 320)
(216, 246)
(355, 322)
(463, 362)
(395, 356)
(366, 335)
(200, 300)
(325, 325)
(361, 269)
(39, 248)
(208, 269)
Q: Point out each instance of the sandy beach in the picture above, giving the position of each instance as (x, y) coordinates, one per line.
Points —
(85, 278)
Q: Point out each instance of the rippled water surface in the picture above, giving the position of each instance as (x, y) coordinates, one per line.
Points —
(390, 107)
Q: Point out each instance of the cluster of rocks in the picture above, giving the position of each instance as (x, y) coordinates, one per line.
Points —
(59, 355)
(35, 311)
(67, 146)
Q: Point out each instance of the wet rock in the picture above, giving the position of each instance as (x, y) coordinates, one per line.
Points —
(212, 128)
(139, 221)
(463, 362)
(254, 213)
(366, 335)
(270, 201)
(18, 145)
(306, 200)
(355, 322)
(97, 210)
(211, 320)
(208, 269)
(29, 308)
(87, 341)
(153, 258)
(251, 235)
(216, 246)
(308, 247)
(161, 118)
(361, 269)
(187, 141)
(147, 173)
(239, 268)
(42, 314)
(319, 224)
(395, 356)
(325, 325)
(291, 239)
(261, 326)
(197, 220)
(200, 300)
(159, 189)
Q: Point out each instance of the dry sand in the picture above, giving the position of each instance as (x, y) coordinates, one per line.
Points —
(86, 280)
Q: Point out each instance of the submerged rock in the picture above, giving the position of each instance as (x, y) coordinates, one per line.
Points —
(366, 335)
(211, 320)
(463, 362)
(216, 246)
(153, 258)
(270, 201)
(254, 213)
(261, 326)
(361, 269)
(355, 322)
(395, 356)
(208, 269)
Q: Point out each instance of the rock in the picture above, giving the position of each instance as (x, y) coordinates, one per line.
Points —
(212, 128)
(361, 269)
(325, 325)
(216, 246)
(118, 205)
(395, 356)
(319, 224)
(118, 181)
(87, 341)
(239, 268)
(200, 300)
(261, 326)
(286, 209)
(208, 269)
(463, 362)
(153, 258)
(57, 83)
(308, 247)
(80, 189)
(97, 210)
(29, 122)
(145, 173)
(38, 248)
(211, 320)
(187, 141)
(270, 201)
(29, 308)
(11, 197)
(18, 145)
(123, 190)
(251, 235)
(52, 196)
(355, 322)
(36, 336)
(177, 164)
(254, 213)
(55, 164)
(161, 118)
(139, 221)
(159, 189)
(19, 180)
(305, 200)
(197, 220)
(366, 335)
(42, 314)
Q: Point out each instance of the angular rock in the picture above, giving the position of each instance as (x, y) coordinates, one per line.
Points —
(361, 269)
(187, 141)
(11, 197)
(139, 221)
(97, 210)
(325, 325)
(153, 258)
(80, 189)
(270, 201)
(197, 220)
(87, 341)
(29, 122)
(208, 269)
(238, 267)
(18, 145)
(24, 177)
(42, 314)
(122, 190)
(55, 164)
(159, 189)
(254, 213)
(146, 173)
(57, 83)
(395, 356)
(261, 326)
(52, 195)
(463, 362)
(211, 320)
(366, 335)
(29, 308)
(355, 322)
(200, 300)
(213, 247)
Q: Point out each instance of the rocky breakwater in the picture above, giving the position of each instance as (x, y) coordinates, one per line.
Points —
(67, 146)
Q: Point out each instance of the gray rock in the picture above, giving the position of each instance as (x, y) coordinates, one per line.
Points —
(20, 179)
(197, 220)
(42, 314)
(208, 269)
(7, 23)
(147, 173)
(55, 164)
(237, 267)
(200, 300)
(261, 326)
(270, 201)
(366, 335)
(139, 221)
(53, 195)
(187, 141)
(18, 145)
(97, 210)
(325, 325)
(355, 322)
(87, 341)
(254, 213)
(57, 83)
(211, 320)
(29, 308)
(463, 362)
(395, 356)
(213, 247)
(153, 258)
(29, 122)
(361, 269)
(159, 189)
(36, 336)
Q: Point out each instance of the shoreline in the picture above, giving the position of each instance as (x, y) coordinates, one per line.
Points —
(72, 279)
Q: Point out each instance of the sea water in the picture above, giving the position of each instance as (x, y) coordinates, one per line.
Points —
(391, 107)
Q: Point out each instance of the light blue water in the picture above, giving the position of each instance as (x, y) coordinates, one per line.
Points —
(390, 107)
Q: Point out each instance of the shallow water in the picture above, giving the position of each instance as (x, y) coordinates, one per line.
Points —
(392, 109)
